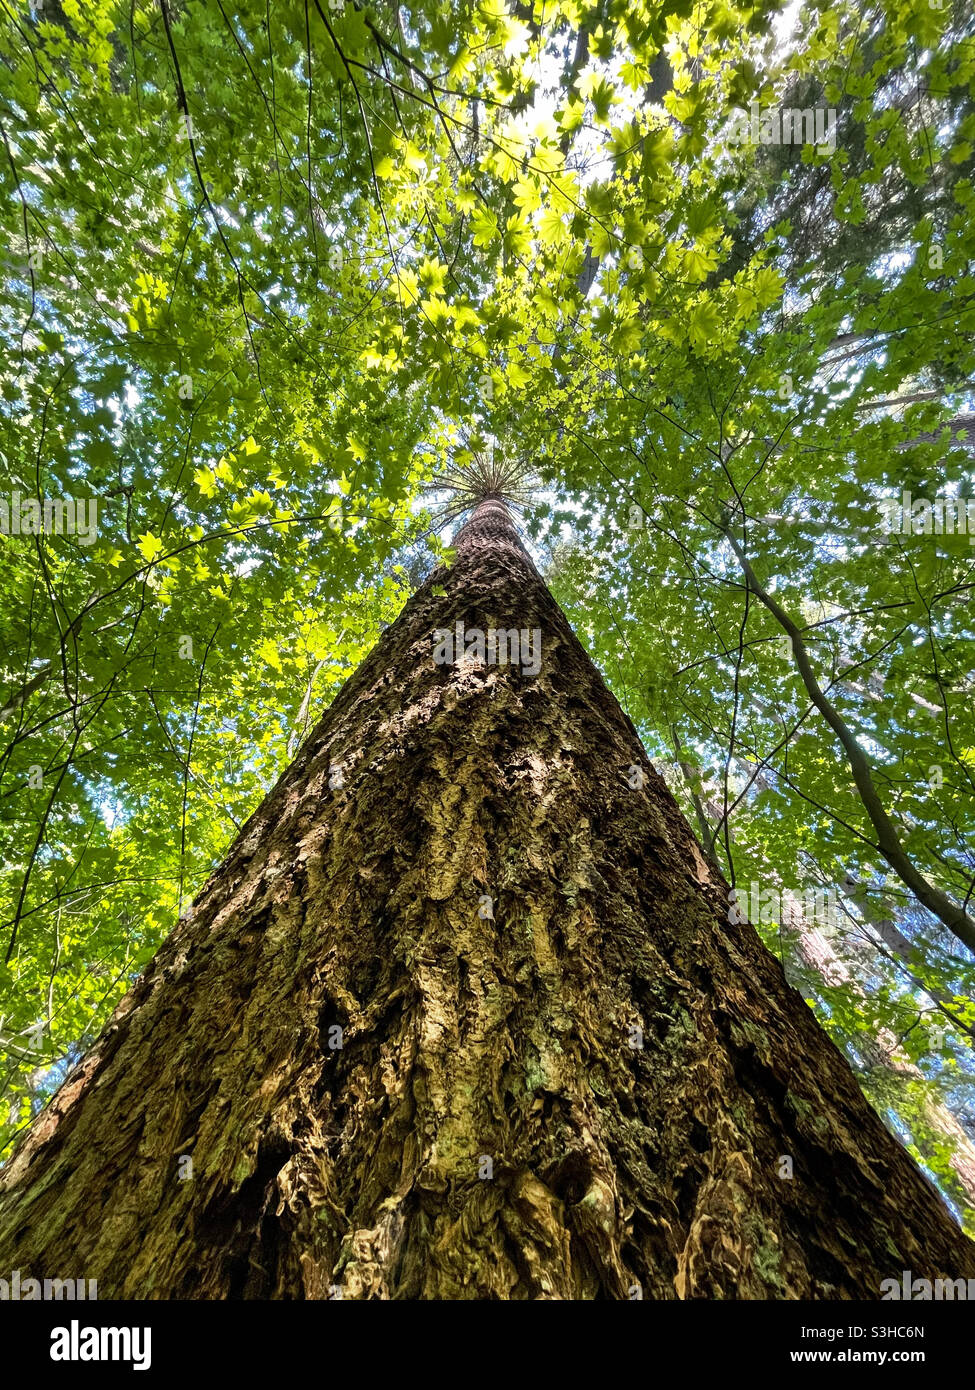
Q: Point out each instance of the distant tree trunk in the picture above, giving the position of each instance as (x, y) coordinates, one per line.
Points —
(563, 1072)
(884, 1057)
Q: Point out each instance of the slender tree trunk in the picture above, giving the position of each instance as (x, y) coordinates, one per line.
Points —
(691, 782)
(884, 1057)
(563, 1072)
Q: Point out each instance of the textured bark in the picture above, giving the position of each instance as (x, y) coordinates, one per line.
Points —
(465, 1038)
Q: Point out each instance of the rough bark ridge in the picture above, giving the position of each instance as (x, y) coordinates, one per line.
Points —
(466, 1038)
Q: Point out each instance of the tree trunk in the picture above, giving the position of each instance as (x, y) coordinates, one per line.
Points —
(563, 1073)
(884, 1057)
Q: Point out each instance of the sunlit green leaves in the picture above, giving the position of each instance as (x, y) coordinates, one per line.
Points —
(251, 336)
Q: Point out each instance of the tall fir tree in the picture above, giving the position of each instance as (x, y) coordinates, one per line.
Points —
(463, 1015)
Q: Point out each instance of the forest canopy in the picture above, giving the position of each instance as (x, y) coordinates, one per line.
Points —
(693, 280)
